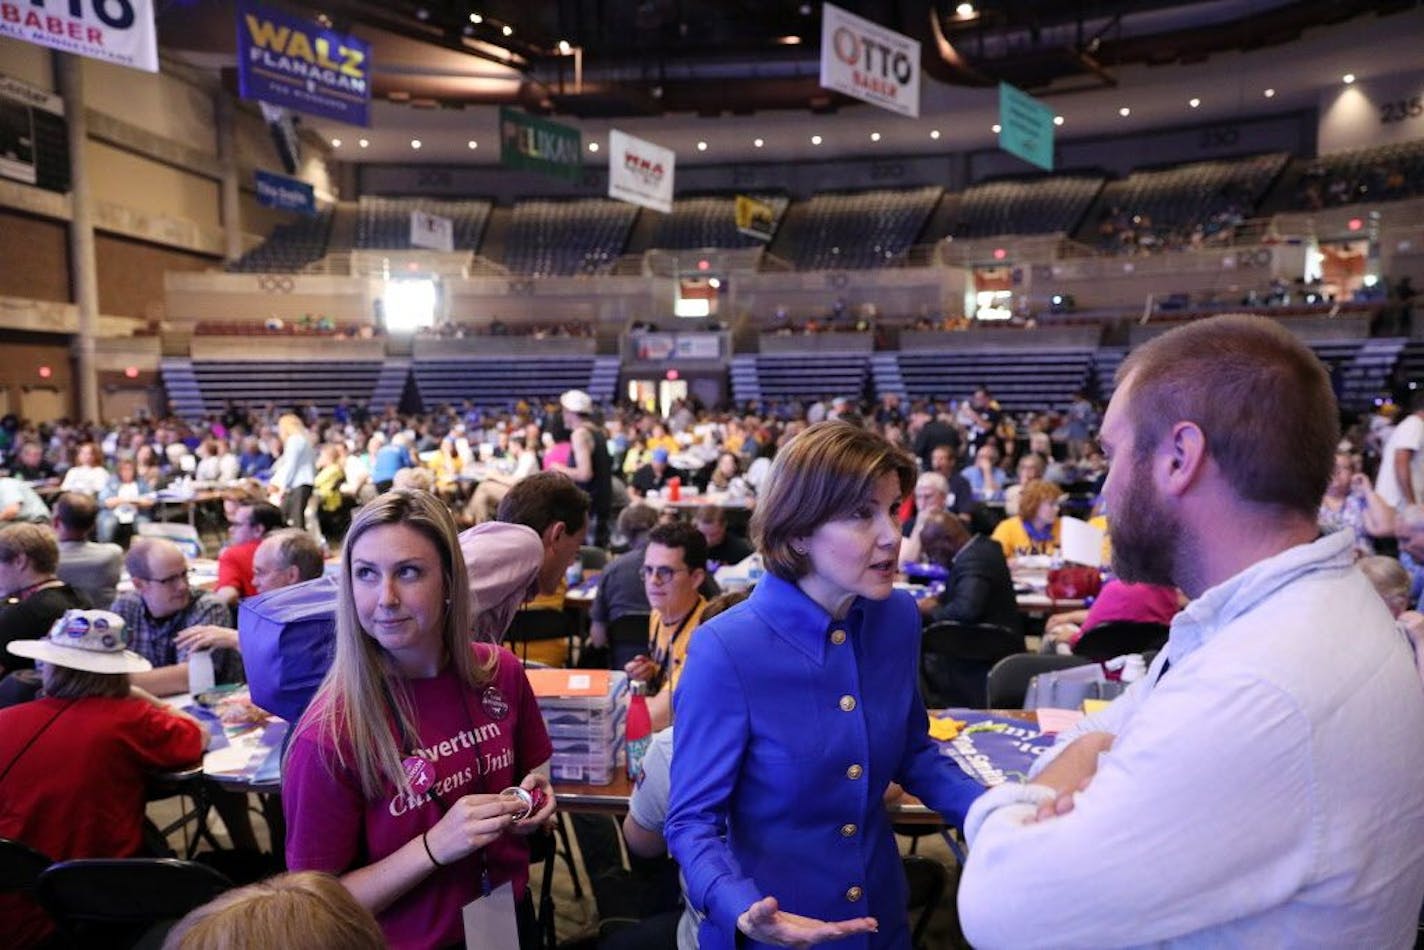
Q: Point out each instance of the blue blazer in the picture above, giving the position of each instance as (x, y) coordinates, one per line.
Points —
(789, 727)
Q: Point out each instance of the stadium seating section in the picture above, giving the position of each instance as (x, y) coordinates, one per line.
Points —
(290, 248)
(855, 231)
(384, 223)
(551, 238)
(1045, 205)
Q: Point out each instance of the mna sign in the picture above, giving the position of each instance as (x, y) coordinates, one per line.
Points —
(531, 144)
(285, 194)
(640, 172)
(865, 60)
(115, 31)
(1025, 127)
(286, 61)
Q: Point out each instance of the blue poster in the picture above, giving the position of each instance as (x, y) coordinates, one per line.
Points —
(285, 194)
(1025, 127)
(994, 749)
(286, 61)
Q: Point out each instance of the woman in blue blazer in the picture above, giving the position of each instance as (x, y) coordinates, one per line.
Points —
(799, 706)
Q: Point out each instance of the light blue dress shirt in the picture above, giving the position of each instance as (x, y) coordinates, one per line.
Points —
(789, 728)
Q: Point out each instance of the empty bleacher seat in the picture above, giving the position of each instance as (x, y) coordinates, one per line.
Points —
(584, 236)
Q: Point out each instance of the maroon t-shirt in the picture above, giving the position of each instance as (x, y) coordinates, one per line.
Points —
(478, 742)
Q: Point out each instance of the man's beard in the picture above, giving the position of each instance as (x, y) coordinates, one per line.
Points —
(1146, 538)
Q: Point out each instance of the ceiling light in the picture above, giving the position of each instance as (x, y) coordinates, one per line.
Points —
(336, 143)
(996, 128)
(422, 14)
(508, 30)
(593, 146)
(1058, 120)
(934, 134)
(1269, 93)
(702, 146)
(474, 144)
(1124, 112)
(364, 143)
(874, 136)
(1347, 78)
(565, 48)
(415, 143)
(789, 40)
(757, 143)
(476, 18)
(815, 140)
(1193, 102)
(965, 10)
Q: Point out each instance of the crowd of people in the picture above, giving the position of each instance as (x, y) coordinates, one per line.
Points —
(786, 714)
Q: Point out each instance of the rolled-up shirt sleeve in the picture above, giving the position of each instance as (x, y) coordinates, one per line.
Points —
(709, 745)
(1162, 798)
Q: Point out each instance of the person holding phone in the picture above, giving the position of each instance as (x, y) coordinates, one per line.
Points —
(393, 778)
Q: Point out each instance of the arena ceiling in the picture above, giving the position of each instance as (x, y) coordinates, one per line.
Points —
(626, 60)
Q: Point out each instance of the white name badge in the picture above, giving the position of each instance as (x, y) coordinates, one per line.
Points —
(490, 921)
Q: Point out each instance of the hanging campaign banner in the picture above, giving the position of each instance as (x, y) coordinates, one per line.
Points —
(117, 31)
(755, 218)
(432, 231)
(285, 194)
(538, 145)
(287, 61)
(867, 61)
(640, 172)
(1025, 127)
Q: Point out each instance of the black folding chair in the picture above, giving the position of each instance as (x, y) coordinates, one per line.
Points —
(531, 625)
(955, 659)
(115, 902)
(627, 637)
(1008, 678)
(1116, 637)
(927, 881)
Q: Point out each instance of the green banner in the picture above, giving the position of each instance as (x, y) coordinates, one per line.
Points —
(538, 145)
(1025, 127)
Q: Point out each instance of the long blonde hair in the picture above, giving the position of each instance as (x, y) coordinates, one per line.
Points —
(307, 909)
(350, 712)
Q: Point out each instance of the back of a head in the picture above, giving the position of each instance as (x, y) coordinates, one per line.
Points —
(76, 512)
(267, 516)
(297, 548)
(1389, 578)
(543, 498)
(1262, 399)
(941, 537)
(305, 911)
(635, 521)
(36, 542)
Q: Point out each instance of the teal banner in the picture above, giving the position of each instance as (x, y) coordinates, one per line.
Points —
(538, 145)
(1025, 127)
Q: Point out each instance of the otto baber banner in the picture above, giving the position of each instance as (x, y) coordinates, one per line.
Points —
(640, 172)
(538, 145)
(286, 61)
(116, 31)
(867, 61)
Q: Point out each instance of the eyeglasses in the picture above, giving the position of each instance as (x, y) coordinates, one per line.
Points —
(662, 573)
(170, 579)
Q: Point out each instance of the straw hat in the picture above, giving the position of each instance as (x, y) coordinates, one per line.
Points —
(90, 640)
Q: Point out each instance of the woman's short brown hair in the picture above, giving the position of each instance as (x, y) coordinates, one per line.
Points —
(1035, 493)
(1259, 395)
(822, 474)
(306, 909)
(64, 682)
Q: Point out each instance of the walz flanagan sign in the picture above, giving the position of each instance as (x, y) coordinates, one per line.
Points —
(286, 61)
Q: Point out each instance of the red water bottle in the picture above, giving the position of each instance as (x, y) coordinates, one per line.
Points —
(639, 728)
(674, 487)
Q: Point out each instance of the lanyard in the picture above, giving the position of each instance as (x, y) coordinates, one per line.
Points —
(661, 654)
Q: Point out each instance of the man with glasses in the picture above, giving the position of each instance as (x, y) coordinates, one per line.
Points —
(250, 525)
(674, 566)
(162, 604)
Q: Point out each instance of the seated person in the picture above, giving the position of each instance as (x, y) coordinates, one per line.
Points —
(979, 588)
(985, 477)
(931, 496)
(30, 465)
(620, 587)
(125, 501)
(301, 909)
(1351, 504)
(1393, 583)
(1030, 468)
(159, 607)
(32, 597)
(674, 566)
(1118, 600)
(1035, 530)
(283, 558)
(723, 546)
(960, 499)
(91, 568)
(251, 524)
(18, 502)
(77, 761)
(653, 476)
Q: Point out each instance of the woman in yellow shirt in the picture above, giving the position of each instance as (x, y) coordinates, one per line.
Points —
(1035, 529)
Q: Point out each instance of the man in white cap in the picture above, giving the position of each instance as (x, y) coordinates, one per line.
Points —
(592, 468)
